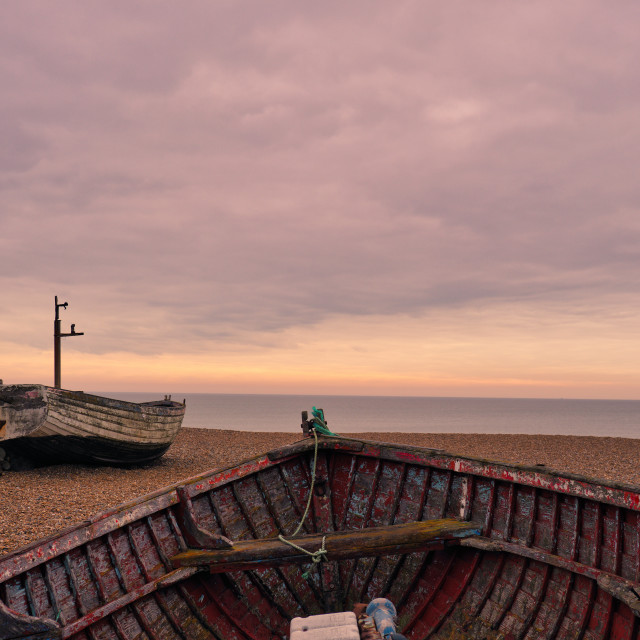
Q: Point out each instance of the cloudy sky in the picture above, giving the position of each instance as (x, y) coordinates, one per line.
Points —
(398, 198)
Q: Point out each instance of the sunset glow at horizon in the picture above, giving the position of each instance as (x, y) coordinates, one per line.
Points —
(361, 199)
(373, 357)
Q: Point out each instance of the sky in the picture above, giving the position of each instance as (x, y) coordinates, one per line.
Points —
(373, 198)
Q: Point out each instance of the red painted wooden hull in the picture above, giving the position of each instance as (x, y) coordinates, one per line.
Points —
(559, 555)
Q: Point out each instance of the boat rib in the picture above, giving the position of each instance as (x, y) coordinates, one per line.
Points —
(544, 555)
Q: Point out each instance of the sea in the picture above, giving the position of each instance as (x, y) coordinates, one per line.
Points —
(353, 414)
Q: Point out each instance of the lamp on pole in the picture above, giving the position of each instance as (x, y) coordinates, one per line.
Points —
(57, 334)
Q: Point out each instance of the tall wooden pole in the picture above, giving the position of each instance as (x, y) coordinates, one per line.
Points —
(57, 335)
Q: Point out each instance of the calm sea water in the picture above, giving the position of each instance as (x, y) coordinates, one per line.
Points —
(352, 414)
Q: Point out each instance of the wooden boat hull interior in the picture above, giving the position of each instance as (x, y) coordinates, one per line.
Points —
(522, 552)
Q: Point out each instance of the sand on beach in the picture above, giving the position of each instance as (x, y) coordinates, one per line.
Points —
(40, 502)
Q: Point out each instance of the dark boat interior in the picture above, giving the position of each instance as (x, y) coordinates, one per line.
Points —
(521, 552)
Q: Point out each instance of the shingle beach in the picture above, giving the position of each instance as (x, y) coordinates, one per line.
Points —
(39, 502)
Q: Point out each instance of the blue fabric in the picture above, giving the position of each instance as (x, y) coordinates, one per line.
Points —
(384, 615)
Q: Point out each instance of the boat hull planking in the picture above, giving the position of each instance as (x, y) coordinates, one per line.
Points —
(73, 426)
(557, 556)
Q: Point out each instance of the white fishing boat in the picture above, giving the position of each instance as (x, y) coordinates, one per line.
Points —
(57, 425)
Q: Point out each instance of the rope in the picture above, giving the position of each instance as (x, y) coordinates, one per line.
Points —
(320, 554)
(319, 423)
(316, 556)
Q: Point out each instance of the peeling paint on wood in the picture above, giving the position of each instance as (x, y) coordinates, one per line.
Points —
(558, 555)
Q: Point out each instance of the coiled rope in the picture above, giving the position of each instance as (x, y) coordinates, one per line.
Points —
(319, 423)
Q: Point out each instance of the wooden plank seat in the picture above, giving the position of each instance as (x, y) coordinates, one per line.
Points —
(338, 545)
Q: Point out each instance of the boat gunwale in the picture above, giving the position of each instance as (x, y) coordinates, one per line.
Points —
(536, 476)
(82, 397)
(49, 547)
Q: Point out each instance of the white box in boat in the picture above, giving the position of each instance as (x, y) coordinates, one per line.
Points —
(328, 626)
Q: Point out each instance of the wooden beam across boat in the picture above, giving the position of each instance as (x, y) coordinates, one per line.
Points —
(339, 545)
